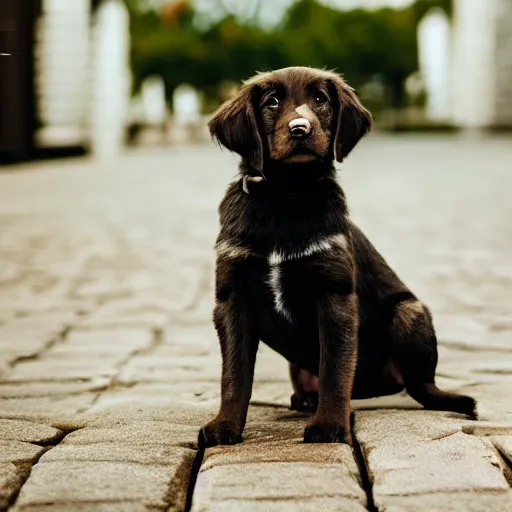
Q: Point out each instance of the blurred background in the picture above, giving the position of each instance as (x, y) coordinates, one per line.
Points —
(97, 75)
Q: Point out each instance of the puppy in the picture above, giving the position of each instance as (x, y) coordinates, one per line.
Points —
(294, 272)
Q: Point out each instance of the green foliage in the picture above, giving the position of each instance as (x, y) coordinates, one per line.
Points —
(421, 7)
(358, 43)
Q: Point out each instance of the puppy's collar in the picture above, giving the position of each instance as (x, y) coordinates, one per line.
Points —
(254, 179)
(259, 179)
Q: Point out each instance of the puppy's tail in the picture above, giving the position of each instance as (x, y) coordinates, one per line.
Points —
(431, 397)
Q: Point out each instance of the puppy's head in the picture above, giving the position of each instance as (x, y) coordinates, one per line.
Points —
(293, 115)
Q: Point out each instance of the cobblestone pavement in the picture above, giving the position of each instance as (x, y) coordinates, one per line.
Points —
(109, 362)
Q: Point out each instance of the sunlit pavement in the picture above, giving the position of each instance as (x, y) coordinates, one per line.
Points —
(109, 363)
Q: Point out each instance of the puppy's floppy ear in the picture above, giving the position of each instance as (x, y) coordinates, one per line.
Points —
(234, 125)
(353, 122)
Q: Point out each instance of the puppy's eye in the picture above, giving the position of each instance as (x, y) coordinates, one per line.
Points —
(321, 98)
(272, 102)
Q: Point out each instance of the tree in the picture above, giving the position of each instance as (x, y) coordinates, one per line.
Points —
(358, 43)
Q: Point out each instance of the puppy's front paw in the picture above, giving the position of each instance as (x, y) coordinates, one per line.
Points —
(306, 402)
(323, 433)
(219, 432)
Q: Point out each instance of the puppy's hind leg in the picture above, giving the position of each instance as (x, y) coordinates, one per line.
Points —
(305, 390)
(414, 349)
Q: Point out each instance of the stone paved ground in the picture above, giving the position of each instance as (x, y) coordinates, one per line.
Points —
(109, 362)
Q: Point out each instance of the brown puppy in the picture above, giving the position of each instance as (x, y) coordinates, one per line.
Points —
(294, 272)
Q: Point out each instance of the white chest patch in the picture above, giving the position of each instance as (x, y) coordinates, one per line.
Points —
(275, 259)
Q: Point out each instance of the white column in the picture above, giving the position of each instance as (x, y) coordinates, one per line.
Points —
(62, 71)
(434, 48)
(110, 91)
(474, 63)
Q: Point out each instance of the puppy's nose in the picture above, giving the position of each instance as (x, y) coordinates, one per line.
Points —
(300, 128)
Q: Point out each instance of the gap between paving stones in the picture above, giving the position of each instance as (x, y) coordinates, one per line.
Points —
(504, 459)
(49, 445)
(194, 472)
(158, 336)
(364, 476)
(204, 283)
(54, 340)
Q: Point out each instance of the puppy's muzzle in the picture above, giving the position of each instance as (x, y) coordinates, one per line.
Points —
(300, 128)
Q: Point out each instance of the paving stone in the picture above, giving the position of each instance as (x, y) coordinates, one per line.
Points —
(18, 430)
(16, 451)
(504, 444)
(278, 481)
(476, 366)
(493, 400)
(74, 482)
(151, 368)
(27, 337)
(41, 389)
(203, 336)
(107, 353)
(405, 450)
(45, 409)
(130, 339)
(466, 333)
(5, 368)
(117, 506)
(200, 314)
(292, 450)
(137, 433)
(163, 394)
(483, 428)
(499, 367)
(270, 366)
(183, 350)
(451, 502)
(152, 312)
(152, 454)
(302, 504)
(148, 319)
(453, 383)
(12, 477)
(498, 323)
(272, 393)
(398, 401)
(85, 355)
(37, 305)
(70, 368)
(273, 424)
(125, 412)
(19, 344)
(103, 288)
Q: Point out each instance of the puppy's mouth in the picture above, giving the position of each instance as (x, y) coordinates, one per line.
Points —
(302, 153)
